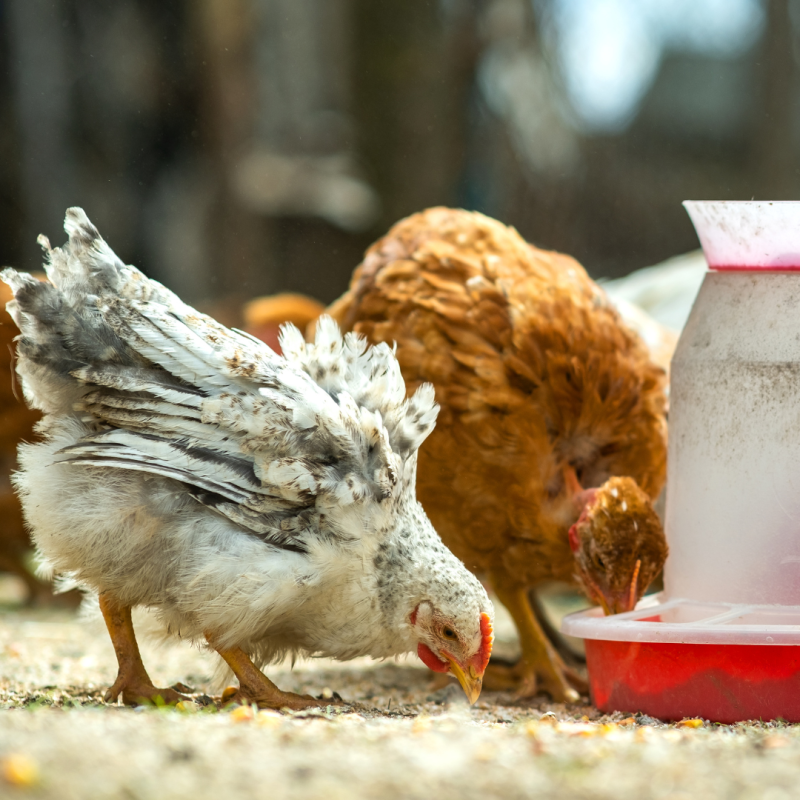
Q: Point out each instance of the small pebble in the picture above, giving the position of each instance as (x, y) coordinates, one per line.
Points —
(242, 714)
(269, 719)
(20, 770)
(485, 753)
(421, 724)
(14, 650)
(774, 742)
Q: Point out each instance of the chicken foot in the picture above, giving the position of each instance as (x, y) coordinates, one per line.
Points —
(539, 666)
(132, 682)
(256, 687)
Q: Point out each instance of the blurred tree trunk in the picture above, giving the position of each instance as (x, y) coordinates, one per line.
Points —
(275, 117)
(238, 240)
(414, 69)
(42, 98)
(775, 157)
(12, 210)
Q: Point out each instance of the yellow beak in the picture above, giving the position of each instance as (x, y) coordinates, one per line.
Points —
(470, 681)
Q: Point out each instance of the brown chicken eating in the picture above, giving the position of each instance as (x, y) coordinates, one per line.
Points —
(551, 441)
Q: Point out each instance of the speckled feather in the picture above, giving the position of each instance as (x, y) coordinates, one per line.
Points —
(269, 500)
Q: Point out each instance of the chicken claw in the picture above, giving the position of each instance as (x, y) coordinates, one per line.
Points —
(132, 682)
(540, 668)
(256, 687)
(137, 691)
(526, 682)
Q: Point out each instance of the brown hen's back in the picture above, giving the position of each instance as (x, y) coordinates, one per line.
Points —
(535, 373)
(16, 424)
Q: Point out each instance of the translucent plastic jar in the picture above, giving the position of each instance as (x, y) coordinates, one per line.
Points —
(723, 639)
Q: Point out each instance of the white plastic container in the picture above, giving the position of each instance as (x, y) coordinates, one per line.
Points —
(730, 610)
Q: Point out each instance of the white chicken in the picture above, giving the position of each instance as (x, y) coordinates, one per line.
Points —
(263, 505)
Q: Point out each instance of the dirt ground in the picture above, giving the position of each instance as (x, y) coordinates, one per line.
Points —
(396, 738)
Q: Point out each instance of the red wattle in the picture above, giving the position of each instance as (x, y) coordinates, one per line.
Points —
(574, 544)
(583, 500)
(430, 659)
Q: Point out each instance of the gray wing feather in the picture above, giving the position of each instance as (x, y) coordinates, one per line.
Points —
(263, 439)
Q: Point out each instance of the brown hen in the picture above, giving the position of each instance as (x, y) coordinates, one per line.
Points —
(16, 424)
(545, 396)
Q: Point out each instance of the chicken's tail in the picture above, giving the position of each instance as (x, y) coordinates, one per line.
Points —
(61, 326)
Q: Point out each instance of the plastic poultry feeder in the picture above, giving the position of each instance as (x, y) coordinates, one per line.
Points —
(722, 641)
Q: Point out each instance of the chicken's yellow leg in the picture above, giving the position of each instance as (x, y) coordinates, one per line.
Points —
(256, 687)
(539, 666)
(132, 682)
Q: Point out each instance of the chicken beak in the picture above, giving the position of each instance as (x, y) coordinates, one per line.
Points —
(620, 602)
(604, 604)
(471, 682)
(614, 602)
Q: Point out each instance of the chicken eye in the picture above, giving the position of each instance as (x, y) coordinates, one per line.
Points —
(448, 633)
(599, 563)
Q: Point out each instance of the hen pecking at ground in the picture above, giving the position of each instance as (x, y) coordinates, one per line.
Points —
(261, 505)
(551, 440)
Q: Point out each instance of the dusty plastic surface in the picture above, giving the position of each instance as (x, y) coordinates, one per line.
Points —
(657, 619)
(733, 508)
(731, 600)
(748, 234)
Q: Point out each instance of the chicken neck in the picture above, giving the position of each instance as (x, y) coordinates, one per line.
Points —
(539, 667)
(132, 682)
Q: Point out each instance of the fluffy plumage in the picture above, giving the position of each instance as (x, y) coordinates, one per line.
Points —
(545, 394)
(263, 503)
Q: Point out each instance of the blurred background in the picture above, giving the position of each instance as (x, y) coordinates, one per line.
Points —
(233, 148)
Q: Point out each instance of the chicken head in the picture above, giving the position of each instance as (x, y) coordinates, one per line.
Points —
(448, 648)
(618, 543)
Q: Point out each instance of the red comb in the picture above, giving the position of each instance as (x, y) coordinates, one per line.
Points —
(481, 658)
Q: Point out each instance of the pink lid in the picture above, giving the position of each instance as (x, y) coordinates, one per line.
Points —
(748, 234)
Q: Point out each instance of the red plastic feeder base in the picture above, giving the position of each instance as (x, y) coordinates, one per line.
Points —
(671, 681)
